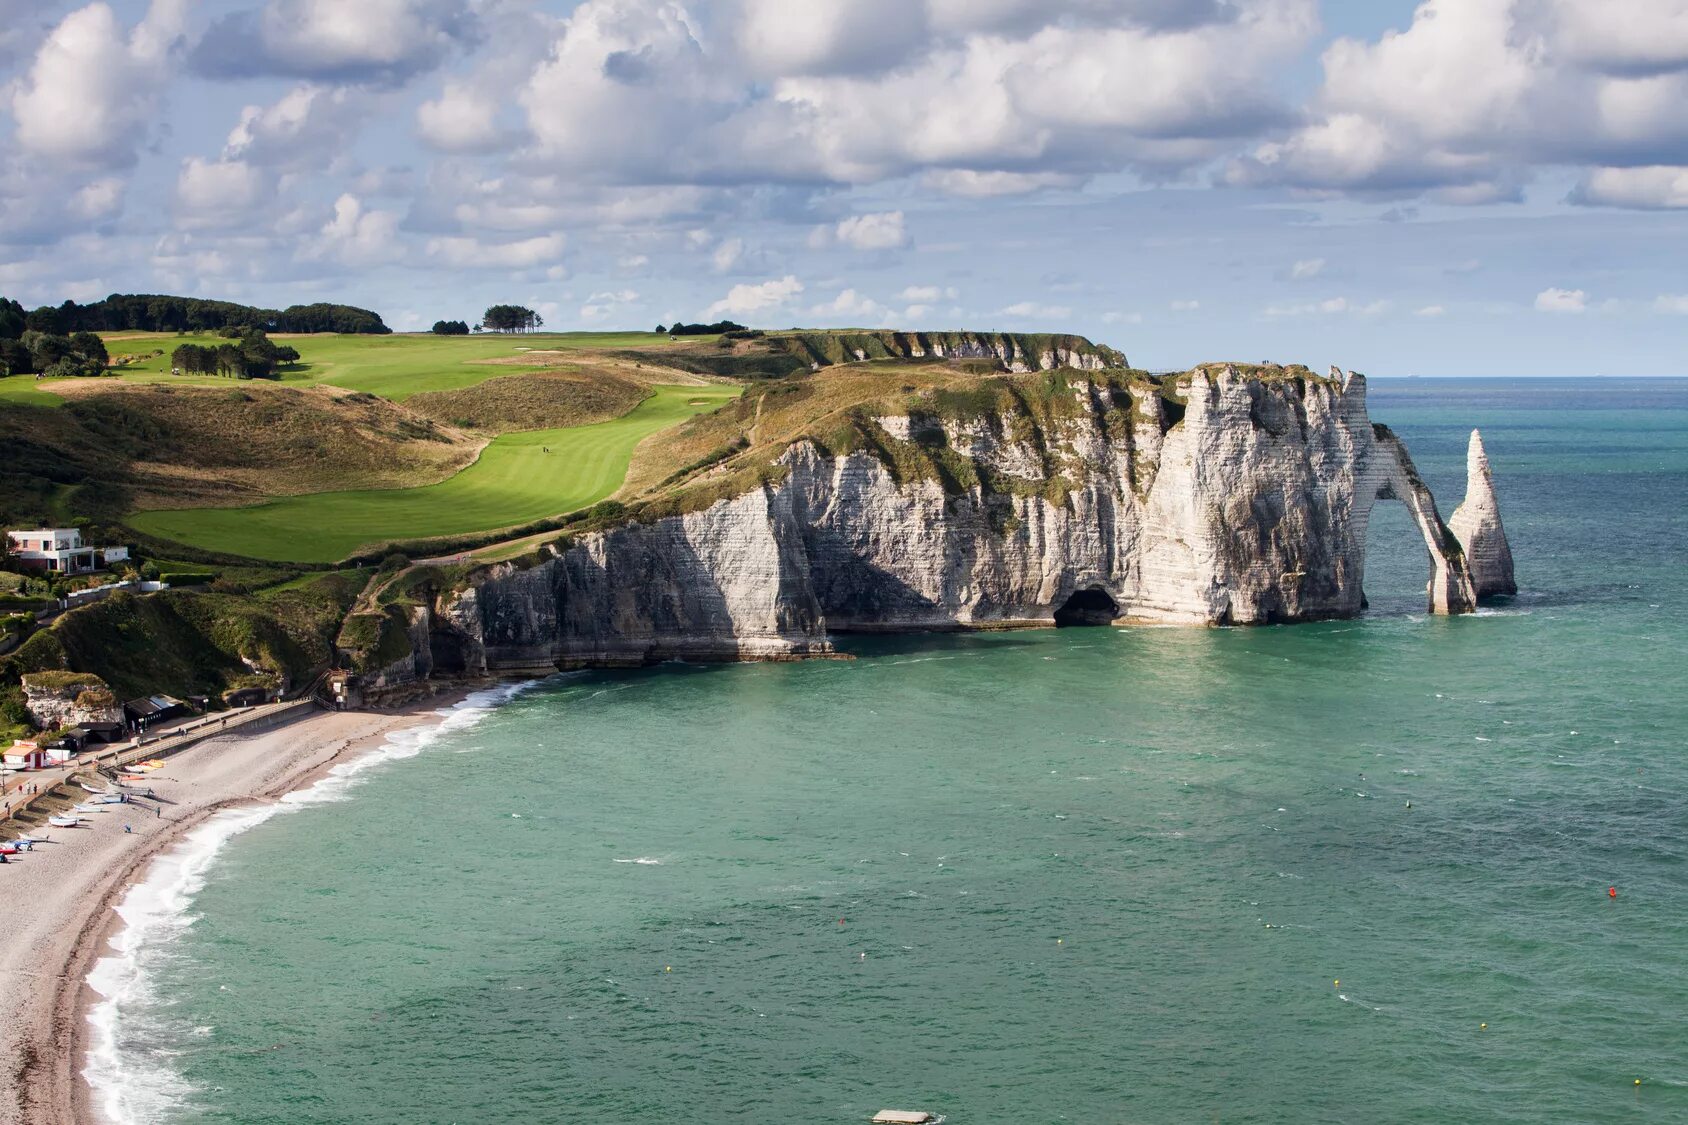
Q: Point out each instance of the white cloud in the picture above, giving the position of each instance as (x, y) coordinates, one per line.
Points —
(525, 253)
(1431, 310)
(601, 306)
(746, 299)
(1675, 303)
(851, 304)
(91, 93)
(727, 254)
(1331, 306)
(928, 293)
(1122, 318)
(218, 193)
(1031, 310)
(880, 231)
(98, 200)
(1306, 269)
(1184, 306)
(778, 37)
(798, 97)
(983, 185)
(370, 41)
(462, 119)
(359, 237)
(1474, 95)
(1561, 301)
(306, 128)
(1653, 188)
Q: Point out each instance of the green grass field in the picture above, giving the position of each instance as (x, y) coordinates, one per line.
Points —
(23, 390)
(514, 482)
(394, 367)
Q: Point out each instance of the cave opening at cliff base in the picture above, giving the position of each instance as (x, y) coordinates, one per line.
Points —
(1089, 606)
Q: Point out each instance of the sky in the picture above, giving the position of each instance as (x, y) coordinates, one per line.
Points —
(1456, 187)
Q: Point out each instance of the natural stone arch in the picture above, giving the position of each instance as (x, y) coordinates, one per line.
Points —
(1450, 588)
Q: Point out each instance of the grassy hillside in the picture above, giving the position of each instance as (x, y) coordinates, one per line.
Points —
(519, 478)
(106, 446)
(393, 367)
(197, 643)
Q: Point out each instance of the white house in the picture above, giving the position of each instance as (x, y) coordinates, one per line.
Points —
(61, 550)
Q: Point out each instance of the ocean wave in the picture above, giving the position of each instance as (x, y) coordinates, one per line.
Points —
(132, 1080)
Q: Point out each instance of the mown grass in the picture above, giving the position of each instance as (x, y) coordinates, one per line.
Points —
(394, 367)
(519, 478)
(23, 390)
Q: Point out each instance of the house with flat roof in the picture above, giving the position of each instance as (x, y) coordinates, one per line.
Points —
(60, 550)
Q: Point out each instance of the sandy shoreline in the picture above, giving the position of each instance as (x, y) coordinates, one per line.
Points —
(56, 901)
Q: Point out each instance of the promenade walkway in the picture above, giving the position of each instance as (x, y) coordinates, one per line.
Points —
(23, 788)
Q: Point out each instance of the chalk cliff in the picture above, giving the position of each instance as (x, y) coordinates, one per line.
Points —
(1223, 496)
(1476, 523)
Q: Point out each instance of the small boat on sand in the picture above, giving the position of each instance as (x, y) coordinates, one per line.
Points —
(64, 821)
(88, 807)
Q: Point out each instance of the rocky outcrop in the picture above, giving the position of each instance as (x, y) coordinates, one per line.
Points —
(68, 699)
(1476, 523)
(1221, 497)
(1014, 352)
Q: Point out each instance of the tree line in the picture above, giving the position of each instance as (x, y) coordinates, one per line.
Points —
(249, 355)
(158, 313)
(510, 318)
(26, 350)
(716, 329)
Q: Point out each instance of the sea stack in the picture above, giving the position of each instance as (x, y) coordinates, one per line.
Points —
(1476, 523)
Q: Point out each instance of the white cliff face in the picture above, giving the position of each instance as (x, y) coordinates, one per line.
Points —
(1476, 522)
(1236, 500)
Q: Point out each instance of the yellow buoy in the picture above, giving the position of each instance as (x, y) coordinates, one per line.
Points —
(1336, 984)
(668, 968)
(1482, 1027)
(1638, 1081)
(1059, 941)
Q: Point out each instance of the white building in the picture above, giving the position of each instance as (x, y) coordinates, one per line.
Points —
(60, 550)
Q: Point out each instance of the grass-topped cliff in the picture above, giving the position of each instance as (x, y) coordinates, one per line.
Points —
(425, 445)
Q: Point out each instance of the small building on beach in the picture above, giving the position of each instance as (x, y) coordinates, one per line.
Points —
(26, 754)
(151, 709)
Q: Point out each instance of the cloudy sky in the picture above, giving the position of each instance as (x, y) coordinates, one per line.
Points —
(1451, 187)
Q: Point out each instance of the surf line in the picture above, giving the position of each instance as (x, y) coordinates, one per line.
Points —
(128, 1086)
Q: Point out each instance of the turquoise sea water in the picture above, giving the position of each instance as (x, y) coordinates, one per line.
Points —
(1097, 875)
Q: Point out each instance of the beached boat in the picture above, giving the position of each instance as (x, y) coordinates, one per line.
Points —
(110, 799)
(64, 821)
(87, 808)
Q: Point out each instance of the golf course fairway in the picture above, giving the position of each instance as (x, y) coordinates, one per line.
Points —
(518, 478)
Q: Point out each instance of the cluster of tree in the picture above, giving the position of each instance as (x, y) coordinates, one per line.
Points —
(155, 313)
(715, 329)
(251, 355)
(510, 318)
(450, 328)
(30, 351)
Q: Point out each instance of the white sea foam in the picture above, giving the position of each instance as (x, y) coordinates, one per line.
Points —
(645, 860)
(133, 1080)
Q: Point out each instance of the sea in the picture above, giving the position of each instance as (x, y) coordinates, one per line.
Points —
(1399, 869)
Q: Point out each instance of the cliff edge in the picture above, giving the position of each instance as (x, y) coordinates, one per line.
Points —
(1225, 495)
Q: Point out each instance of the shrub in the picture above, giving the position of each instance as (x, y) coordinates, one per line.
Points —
(187, 577)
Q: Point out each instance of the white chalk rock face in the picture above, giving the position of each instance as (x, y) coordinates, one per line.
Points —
(1223, 498)
(1476, 523)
